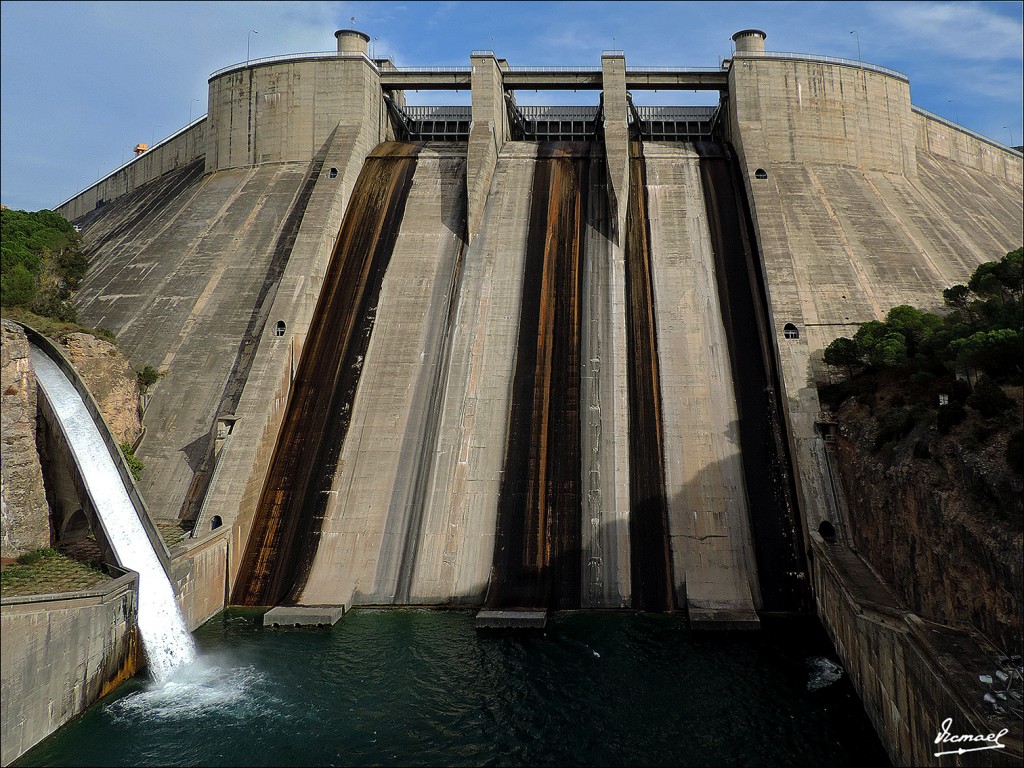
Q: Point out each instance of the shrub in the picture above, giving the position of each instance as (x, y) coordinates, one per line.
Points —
(28, 558)
(148, 376)
(892, 425)
(134, 463)
(1015, 451)
(949, 416)
(989, 398)
(17, 287)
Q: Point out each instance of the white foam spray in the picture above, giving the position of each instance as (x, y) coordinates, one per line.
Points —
(165, 637)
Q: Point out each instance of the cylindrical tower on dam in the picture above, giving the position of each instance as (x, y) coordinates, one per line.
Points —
(352, 41)
(749, 41)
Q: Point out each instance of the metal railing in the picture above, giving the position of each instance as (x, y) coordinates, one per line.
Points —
(290, 57)
(823, 59)
(595, 70)
(130, 162)
(956, 126)
(683, 70)
(418, 70)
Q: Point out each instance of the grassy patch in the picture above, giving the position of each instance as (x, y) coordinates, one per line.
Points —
(171, 531)
(44, 571)
(54, 329)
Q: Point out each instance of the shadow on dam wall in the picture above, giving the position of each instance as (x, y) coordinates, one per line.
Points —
(292, 504)
(538, 538)
(768, 469)
(648, 509)
(537, 555)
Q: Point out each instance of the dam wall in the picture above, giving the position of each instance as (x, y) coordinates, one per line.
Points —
(61, 653)
(708, 515)
(176, 151)
(211, 266)
(943, 138)
(850, 224)
(844, 236)
(457, 536)
(179, 272)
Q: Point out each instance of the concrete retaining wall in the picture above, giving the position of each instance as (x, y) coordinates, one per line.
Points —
(178, 150)
(61, 653)
(911, 674)
(199, 576)
(945, 139)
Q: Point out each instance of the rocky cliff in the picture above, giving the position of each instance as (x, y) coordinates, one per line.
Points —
(111, 379)
(939, 517)
(24, 516)
(25, 522)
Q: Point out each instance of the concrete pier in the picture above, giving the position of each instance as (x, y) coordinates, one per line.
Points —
(369, 540)
(457, 543)
(714, 572)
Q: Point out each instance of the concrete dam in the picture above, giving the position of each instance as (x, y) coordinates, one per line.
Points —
(528, 358)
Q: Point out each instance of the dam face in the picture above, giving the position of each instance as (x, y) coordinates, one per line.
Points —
(555, 360)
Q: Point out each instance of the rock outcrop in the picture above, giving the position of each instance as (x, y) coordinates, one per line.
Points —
(112, 381)
(24, 515)
(939, 518)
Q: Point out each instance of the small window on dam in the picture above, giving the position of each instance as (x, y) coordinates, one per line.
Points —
(334, 173)
(760, 173)
(216, 522)
(790, 331)
(279, 328)
(827, 530)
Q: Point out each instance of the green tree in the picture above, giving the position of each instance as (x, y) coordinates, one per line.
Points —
(843, 353)
(17, 287)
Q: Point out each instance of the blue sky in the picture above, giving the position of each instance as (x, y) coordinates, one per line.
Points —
(83, 82)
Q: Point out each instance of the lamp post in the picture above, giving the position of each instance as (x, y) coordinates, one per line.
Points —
(857, 36)
(190, 111)
(1008, 128)
(956, 110)
(248, 38)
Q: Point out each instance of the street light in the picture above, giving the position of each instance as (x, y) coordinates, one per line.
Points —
(1008, 128)
(956, 110)
(190, 111)
(857, 35)
(247, 39)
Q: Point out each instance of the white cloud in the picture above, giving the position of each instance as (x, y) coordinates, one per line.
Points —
(963, 30)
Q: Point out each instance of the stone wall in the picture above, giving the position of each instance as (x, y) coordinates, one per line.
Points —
(111, 380)
(61, 653)
(24, 515)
